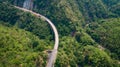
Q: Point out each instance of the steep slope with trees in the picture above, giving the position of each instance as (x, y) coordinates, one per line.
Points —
(21, 48)
(82, 26)
(24, 20)
(107, 33)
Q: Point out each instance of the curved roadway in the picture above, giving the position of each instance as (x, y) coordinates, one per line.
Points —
(52, 58)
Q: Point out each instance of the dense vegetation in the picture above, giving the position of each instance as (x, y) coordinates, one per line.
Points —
(73, 54)
(22, 41)
(21, 48)
(82, 26)
(24, 20)
(107, 33)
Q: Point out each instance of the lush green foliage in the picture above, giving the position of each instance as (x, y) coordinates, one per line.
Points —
(107, 33)
(113, 6)
(21, 48)
(24, 20)
(71, 17)
(65, 18)
(73, 54)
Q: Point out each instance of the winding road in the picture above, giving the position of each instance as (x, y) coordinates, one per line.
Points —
(53, 55)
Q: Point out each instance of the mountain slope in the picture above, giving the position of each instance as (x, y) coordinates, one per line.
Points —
(20, 48)
(107, 33)
(70, 15)
(23, 20)
(77, 21)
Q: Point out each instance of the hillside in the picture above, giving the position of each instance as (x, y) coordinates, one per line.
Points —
(21, 48)
(23, 20)
(83, 25)
(106, 32)
(68, 16)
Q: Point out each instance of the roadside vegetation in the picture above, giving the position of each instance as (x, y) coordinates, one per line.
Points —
(82, 25)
